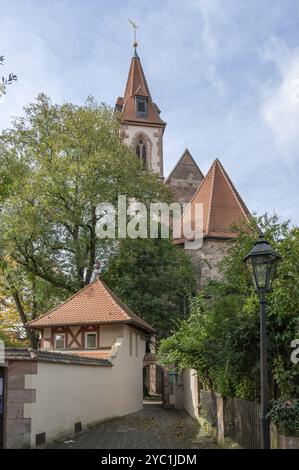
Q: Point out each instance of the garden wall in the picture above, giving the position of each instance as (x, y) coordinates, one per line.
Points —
(49, 395)
(232, 422)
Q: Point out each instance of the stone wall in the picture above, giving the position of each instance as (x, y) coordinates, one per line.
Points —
(153, 138)
(184, 179)
(51, 394)
(17, 430)
(207, 258)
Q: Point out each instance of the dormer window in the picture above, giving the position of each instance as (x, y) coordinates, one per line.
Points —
(141, 106)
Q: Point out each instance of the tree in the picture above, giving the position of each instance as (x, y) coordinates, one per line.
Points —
(154, 278)
(57, 164)
(5, 81)
(221, 337)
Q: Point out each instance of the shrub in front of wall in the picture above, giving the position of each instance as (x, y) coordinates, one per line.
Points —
(285, 415)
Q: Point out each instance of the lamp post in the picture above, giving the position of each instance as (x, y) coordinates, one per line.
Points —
(261, 262)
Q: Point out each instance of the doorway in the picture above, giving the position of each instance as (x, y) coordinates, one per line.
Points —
(153, 384)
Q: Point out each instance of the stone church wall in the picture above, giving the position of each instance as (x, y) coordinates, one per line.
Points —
(207, 258)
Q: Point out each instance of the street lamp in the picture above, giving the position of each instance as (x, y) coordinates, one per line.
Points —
(261, 262)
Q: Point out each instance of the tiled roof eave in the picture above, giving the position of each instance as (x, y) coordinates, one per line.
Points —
(137, 325)
(38, 355)
(140, 327)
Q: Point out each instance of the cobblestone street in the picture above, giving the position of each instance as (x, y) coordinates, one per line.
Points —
(153, 427)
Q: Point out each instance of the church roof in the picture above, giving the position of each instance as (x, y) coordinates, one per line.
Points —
(137, 86)
(223, 207)
(94, 304)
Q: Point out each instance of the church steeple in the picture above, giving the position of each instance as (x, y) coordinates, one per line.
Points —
(142, 126)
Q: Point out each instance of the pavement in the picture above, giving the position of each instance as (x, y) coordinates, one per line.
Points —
(151, 428)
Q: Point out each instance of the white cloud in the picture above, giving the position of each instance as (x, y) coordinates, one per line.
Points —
(215, 19)
(280, 108)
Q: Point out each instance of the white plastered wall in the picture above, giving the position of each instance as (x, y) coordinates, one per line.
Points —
(190, 392)
(68, 393)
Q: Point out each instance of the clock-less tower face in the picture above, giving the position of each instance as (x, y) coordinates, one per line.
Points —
(141, 126)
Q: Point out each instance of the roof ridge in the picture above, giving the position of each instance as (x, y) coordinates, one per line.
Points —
(98, 290)
(234, 190)
(136, 64)
(143, 79)
(122, 305)
(219, 214)
(190, 202)
(213, 169)
(62, 303)
(112, 296)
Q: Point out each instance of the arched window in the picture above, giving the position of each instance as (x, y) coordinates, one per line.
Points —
(141, 152)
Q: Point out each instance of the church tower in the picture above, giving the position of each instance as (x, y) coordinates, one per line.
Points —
(141, 126)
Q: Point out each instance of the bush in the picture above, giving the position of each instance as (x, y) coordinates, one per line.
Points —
(285, 414)
(220, 338)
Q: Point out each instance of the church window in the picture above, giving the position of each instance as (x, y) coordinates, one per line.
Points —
(141, 105)
(141, 152)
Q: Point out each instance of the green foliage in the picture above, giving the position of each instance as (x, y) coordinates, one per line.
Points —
(6, 81)
(153, 277)
(57, 164)
(285, 414)
(9, 341)
(221, 337)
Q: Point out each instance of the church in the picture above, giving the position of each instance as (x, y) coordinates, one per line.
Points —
(142, 129)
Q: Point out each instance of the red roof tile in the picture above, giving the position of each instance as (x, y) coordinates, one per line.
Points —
(223, 207)
(93, 354)
(94, 304)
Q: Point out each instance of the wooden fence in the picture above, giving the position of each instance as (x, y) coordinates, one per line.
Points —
(241, 422)
(239, 418)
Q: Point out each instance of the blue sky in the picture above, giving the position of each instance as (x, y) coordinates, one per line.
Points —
(225, 74)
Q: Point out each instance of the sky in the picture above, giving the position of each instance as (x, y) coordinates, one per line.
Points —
(225, 74)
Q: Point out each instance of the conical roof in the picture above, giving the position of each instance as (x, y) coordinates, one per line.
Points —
(223, 207)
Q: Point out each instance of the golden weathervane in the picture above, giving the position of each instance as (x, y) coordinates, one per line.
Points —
(134, 26)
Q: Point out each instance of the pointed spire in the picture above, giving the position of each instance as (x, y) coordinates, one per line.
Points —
(136, 80)
(137, 86)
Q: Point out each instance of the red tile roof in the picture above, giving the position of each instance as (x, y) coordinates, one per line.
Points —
(137, 86)
(91, 354)
(94, 304)
(223, 207)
